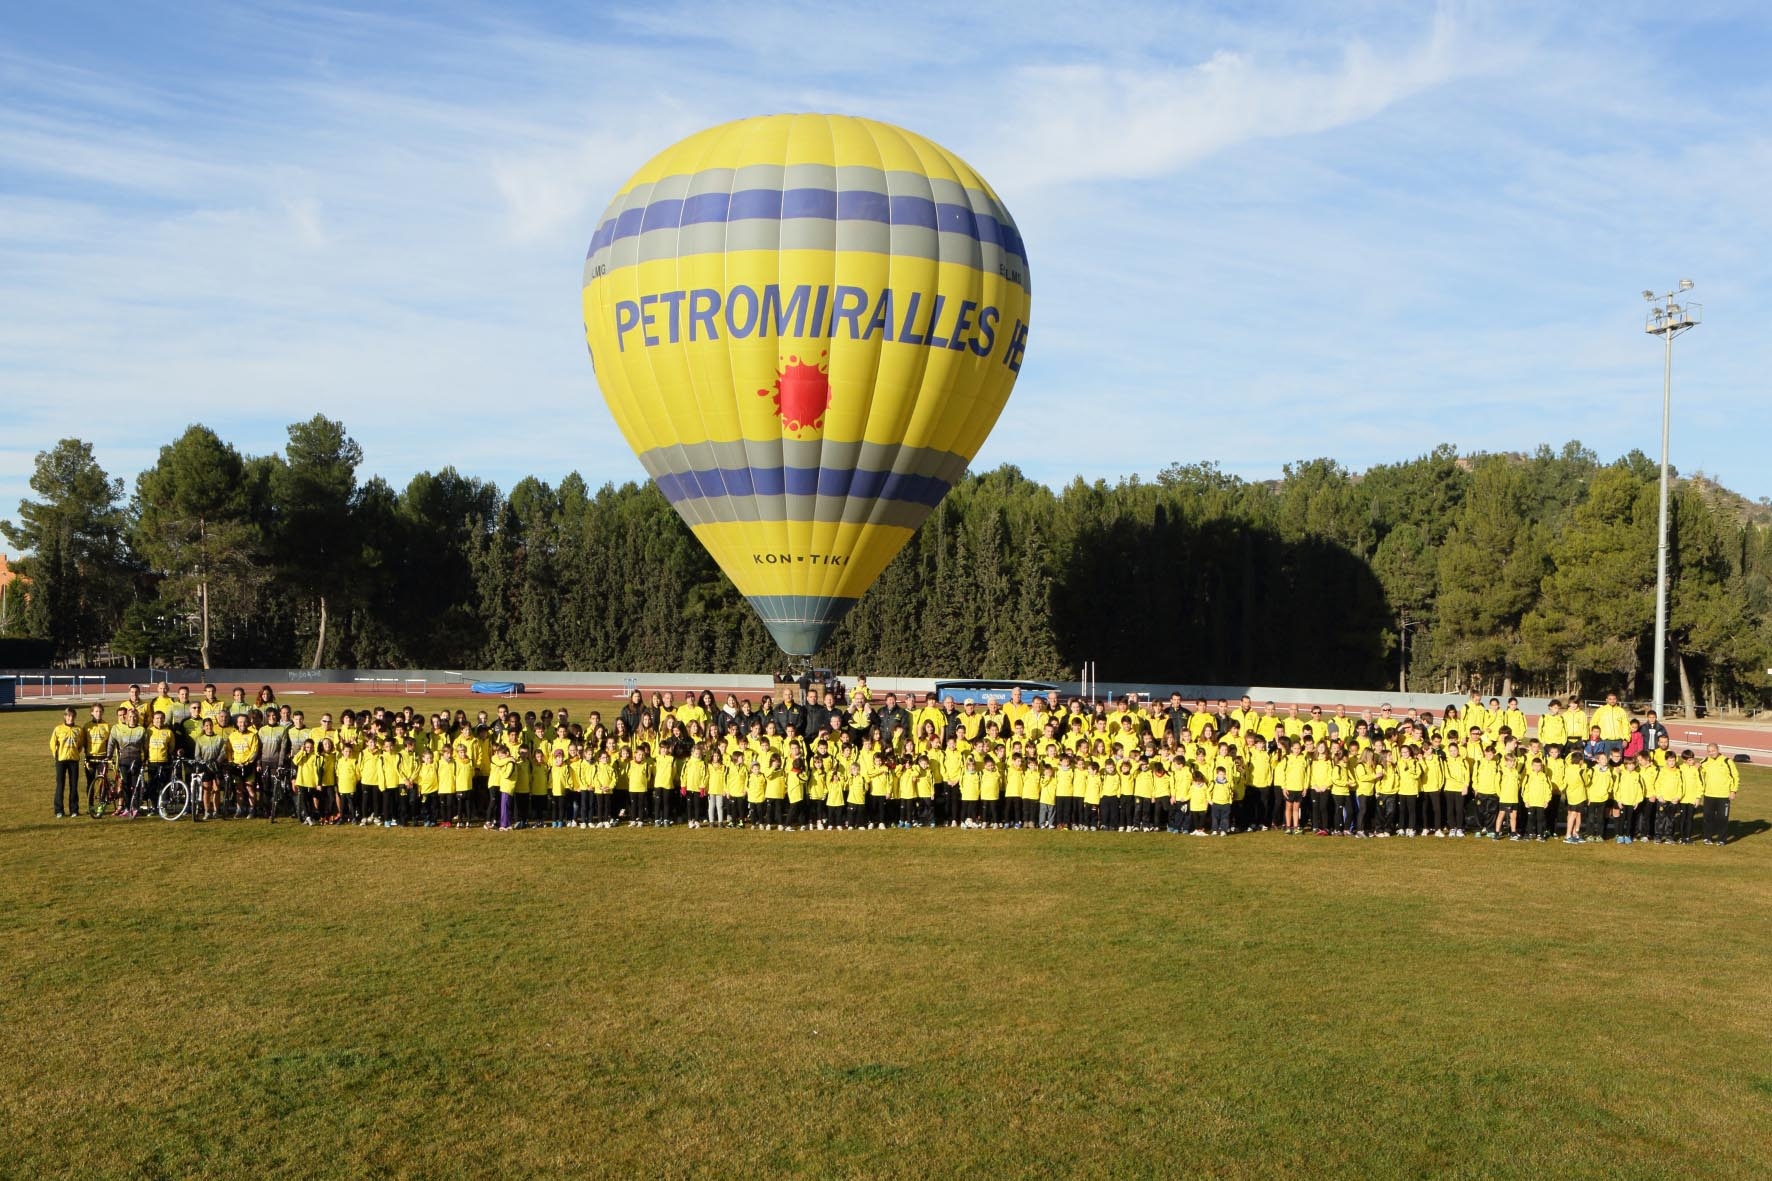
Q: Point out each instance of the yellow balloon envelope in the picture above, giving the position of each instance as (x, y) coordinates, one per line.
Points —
(805, 326)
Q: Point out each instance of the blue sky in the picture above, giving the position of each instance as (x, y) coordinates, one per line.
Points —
(1258, 233)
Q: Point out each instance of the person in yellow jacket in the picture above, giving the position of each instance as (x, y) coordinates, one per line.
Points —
(603, 783)
(1535, 794)
(775, 793)
(501, 781)
(465, 782)
(1513, 719)
(1198, 795)
(65, 744)
(1575, 785)
(1664, 797)
(1262, 808)
(855, 796)
(1294, 781)
(1219, 796)
(439, 758)
(1602, 774)
(96, 738)
(637, 778)
(1323, 772)
(1575, 723)
(405, 773)
(693, 782)
(1410, 774)
(1691, 794)
(1457, 787)
(306, 761)
(1721, 779)
(559, 782)
(428, 777)
(1473, 716)
(346, 770)
(990, 789)
(835, 795)
(1630, 786)
(1612, 722)
(1507, 796)
(1552, 733)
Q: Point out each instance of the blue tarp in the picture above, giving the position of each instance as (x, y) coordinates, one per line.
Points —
(497, 688)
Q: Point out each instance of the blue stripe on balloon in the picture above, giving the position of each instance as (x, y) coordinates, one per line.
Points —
(854, 483)
(823, 204)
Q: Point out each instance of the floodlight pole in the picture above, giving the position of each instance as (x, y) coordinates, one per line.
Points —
(1667, 322)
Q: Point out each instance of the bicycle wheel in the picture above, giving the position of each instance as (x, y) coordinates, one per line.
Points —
(276, 793)
(175, 800)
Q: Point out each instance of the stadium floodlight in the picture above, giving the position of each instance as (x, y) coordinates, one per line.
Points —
(1666, 321)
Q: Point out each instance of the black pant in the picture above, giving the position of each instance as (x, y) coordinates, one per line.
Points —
(1454, 802)
(1716, 818)
(127, 776)
(1411, 812)
(67, 771)
(1320, 810)
(1534, 822)
(1265, 803)
(1683, 814)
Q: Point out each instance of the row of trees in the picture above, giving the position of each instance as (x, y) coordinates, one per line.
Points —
(1510, 573)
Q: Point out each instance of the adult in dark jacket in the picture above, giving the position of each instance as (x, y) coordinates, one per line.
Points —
(818, 714)
(789, 713)
(630, 713)
(893, 719)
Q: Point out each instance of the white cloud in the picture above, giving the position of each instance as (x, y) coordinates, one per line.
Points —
(1113, 121)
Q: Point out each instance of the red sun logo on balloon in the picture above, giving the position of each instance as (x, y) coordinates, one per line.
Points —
(802, 393)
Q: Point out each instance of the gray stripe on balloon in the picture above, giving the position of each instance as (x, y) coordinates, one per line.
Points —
(825, 510)
(680, 459)
(667, 242)
(848, 178)
(801, 233)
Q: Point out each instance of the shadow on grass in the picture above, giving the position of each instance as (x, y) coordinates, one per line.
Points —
(1742, 829)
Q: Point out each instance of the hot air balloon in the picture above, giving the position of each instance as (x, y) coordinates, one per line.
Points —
(805, 326)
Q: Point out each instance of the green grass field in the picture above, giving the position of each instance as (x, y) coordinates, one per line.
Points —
(241, 1000)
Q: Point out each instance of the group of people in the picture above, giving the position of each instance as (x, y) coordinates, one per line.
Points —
(1210, 770)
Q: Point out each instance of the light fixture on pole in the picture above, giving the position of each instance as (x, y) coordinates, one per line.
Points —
(1667, 320)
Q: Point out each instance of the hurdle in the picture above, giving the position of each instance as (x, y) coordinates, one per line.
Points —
(377, 684)
(415, 686)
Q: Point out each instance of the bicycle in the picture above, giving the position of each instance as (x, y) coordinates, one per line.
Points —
(105, 789)
(275, 785)
(137, 790)
(183, 792)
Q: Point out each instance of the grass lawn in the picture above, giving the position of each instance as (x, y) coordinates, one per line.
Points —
(241, 1000)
